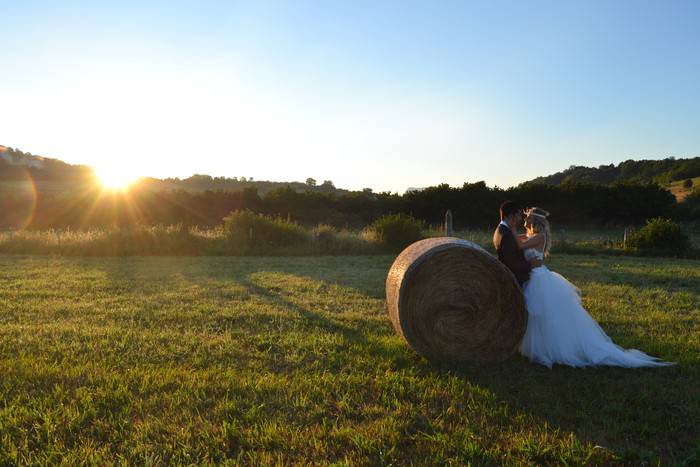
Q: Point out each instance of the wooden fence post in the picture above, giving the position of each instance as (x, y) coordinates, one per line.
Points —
(448, 223)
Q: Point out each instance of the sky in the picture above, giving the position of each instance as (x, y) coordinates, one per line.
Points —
(380, 94)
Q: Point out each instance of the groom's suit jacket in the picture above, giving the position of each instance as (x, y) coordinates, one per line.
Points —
(509, 254)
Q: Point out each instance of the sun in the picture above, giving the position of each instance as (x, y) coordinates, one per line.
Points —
(114, 178)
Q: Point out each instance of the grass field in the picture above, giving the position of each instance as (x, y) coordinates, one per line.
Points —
(293, 360)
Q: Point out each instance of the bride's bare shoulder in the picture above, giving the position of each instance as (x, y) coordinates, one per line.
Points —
(533, 241)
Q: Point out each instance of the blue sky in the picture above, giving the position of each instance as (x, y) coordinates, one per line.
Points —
(386, 95)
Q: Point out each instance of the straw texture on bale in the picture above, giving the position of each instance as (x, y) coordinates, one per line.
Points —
(453, 301)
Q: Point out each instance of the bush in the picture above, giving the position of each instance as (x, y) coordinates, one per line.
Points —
(154, 240)
(325, 236)
(396, 231)
(266, 231)
(660, 236)
(688, 183)
(331, 241)
(692, 204)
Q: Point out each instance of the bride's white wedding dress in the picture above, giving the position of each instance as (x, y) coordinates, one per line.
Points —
(560, 330)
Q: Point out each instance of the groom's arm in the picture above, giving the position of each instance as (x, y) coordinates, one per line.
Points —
(514, 258)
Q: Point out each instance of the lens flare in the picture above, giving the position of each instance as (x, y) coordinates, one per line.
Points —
(20, 204)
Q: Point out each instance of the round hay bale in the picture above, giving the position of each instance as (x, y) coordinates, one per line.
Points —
(453, 301)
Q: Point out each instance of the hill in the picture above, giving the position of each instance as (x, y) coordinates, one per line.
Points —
(17, 166)
(53, 175)
(200, 183)
(19, 158)
(662, 172)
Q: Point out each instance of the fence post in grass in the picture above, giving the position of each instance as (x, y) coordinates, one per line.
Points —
(562, 236)
(625, 237)
(448, 223)
(250, 235)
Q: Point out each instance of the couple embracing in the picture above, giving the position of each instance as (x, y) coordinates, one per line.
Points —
(559, 330)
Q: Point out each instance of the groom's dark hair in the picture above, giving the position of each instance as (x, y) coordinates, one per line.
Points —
(509, 208)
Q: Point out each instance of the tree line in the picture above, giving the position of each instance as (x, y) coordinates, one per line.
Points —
(474, 205)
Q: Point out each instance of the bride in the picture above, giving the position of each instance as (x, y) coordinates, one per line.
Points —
(559, 330)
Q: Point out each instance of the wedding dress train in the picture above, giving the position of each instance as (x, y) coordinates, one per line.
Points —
(560, 330)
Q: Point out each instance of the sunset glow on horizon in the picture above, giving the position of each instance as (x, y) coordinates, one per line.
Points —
(384, 96)
(115, 179)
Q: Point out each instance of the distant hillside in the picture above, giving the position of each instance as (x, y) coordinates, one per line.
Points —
(15, 157)
(663, 172)
(53, 175)
(16, 165)
(56, 176)
(198, 183)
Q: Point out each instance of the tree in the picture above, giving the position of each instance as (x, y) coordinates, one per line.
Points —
(328, 184)
(310, 181)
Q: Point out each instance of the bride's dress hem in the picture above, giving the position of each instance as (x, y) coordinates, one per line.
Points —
(560, 331)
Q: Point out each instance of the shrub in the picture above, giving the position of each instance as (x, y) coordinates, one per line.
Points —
(691, 204)
(660, 236)
(331, 241)
(688, 183)
(325, 236)
(396, 231)
(142, 240)
(266, 230)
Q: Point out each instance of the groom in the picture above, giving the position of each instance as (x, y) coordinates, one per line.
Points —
(506, 242)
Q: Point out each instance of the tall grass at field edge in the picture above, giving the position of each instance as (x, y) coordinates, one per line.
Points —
(323, 239)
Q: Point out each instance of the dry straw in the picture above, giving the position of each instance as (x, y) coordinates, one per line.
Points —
(453, 301)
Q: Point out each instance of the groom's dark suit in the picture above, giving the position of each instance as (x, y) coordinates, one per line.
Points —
(510, 255)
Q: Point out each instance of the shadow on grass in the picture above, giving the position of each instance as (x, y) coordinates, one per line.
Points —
(640, 414)
(643, 415)
(314, 318)
(367, 277)
(671, 274)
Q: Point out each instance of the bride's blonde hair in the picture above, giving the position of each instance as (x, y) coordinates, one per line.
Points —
(537, 217)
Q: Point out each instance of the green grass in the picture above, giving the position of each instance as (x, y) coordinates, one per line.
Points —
(294, 360)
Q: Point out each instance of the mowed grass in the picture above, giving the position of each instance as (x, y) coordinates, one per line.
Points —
(294, 360)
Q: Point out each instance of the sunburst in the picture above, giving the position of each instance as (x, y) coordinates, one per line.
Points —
(114, 178)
